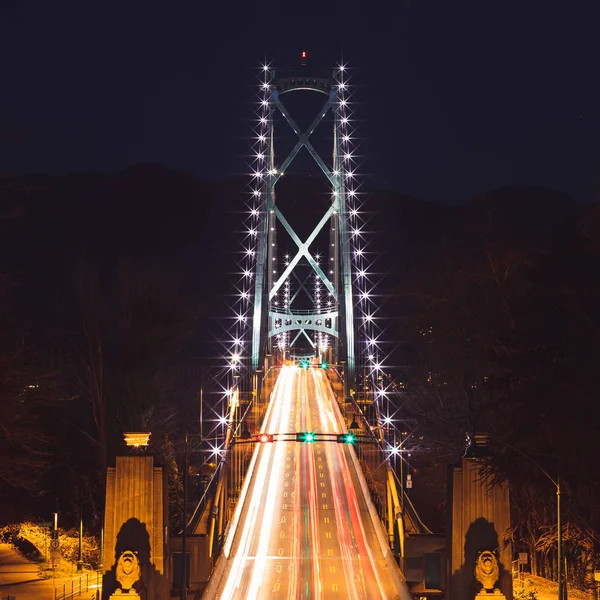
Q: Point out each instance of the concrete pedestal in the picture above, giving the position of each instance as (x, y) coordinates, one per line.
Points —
(479, 515)
(136, 520)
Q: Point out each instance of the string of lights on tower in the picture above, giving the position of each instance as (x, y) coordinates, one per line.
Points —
(343, 288)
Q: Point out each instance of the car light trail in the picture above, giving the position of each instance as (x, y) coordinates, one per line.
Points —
(303, 527)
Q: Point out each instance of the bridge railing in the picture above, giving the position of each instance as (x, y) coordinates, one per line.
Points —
(76, 587)
(393, 506)
(371, 455)
(246, 414)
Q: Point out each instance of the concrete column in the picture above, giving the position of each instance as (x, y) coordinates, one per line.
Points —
(479, 515)
(136, 520)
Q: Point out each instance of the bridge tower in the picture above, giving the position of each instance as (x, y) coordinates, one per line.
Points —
(271, 283)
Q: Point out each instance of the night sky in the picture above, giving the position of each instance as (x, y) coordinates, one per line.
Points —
(455, 98)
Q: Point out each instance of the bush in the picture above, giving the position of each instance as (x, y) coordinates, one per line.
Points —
(33, 542)
(524, 590)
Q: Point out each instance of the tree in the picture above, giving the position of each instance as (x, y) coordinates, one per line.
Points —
(505, 339)
(27, 396)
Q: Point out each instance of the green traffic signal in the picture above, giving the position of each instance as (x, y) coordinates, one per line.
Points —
(305, 436)
(346, 438)
(324, 365)
(304, 364)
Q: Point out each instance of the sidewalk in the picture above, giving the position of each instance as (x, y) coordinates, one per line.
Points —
(544, 588)
(19, 578)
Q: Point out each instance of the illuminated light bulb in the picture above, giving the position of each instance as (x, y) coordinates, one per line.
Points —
(336, 173)
(252, 231)
(257, 174)
(349, 175)
(265, 103)
(262, 138)
(250, 252)
(260, 156)
(346, 138)
(245, 295)
(265, 86)
(358, 252)
(345, 120)
(263, 120)
(247, 273)
(348, 156)
(265, 67)
(343, 103)
(256, 193)
(371, 357)
(361, 273)
(353, 212)
(254, 212)
(387, 421)
(351, 193)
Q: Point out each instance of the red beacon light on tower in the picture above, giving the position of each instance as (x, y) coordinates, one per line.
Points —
(303, 58)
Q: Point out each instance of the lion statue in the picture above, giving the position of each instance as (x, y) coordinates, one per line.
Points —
(128, 569)
(486, 569)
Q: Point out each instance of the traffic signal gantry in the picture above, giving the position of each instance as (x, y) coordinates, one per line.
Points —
(308, 437)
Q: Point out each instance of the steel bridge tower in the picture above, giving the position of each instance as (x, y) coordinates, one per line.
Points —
(274, 323)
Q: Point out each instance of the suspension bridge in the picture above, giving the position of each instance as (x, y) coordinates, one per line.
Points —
(304, 501)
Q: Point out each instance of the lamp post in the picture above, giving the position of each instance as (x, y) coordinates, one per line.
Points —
(80, 559)
(80, 562)
(562, 588)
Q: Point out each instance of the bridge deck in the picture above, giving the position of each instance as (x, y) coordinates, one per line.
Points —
(304, 526)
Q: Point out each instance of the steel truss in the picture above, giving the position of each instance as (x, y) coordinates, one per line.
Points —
(268, 320)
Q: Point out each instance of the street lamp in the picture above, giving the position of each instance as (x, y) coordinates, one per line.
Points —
(471, 452)
(80, 559)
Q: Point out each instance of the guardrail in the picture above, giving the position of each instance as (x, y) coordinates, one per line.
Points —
(387, 491)
(75, 587)
(224, 488)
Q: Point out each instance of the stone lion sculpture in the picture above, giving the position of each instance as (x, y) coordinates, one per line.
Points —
(128, 570)
(486, 569)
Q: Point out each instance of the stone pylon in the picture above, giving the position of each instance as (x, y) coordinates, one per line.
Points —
(135, 549)
(479, 515)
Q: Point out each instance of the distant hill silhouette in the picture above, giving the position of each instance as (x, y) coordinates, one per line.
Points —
(153, 212)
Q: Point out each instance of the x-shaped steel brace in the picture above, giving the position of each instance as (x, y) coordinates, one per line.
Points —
(303, 251)
(302, 287)
(303, 138)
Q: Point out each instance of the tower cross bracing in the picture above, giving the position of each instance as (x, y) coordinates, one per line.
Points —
(336, 320)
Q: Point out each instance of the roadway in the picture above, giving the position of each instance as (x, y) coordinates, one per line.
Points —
(304, 526)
